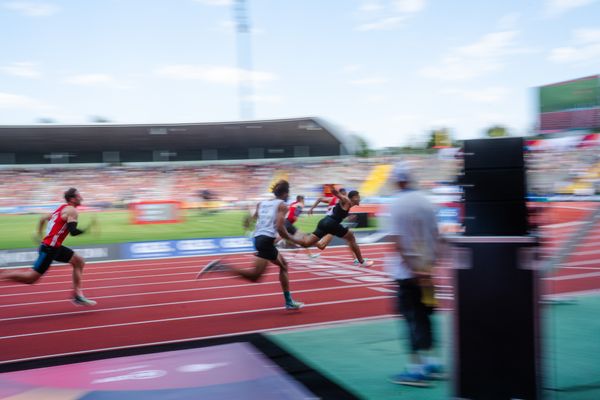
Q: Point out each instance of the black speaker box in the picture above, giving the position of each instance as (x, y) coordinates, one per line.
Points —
(497, 349)
(488, 218)
(493, 184)
(493, 153)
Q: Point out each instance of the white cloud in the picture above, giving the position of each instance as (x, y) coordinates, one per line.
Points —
(485, 95)
(409, 6)
(370, 6)
(96, 80)
(382, 24)
(32, 9)
(378, 17)
(369, 81)
(17, 101)
(479, 58)
(21, 69)
(213, 74)
(585, 48)
(509, 21)
(215, 2)
(555, 8)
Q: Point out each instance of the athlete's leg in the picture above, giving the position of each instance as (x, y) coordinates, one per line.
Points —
(321, 244)
(306, 240)
(29, 276)
(351, 240)
(77, 262)
(253, 275)
(45, 256)
(284, 280)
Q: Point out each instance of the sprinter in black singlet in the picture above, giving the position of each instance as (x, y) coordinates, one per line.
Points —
(332, 225)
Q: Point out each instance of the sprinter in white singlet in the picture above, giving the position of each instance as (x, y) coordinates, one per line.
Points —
(270, 217)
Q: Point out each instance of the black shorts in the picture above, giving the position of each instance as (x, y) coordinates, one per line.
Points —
(265, 247)
(329, 225)
(47, 254)
(289, 227)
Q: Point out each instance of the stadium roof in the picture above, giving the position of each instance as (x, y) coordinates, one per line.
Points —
(271, 138)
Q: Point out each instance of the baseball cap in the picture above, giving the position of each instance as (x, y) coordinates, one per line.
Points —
(401, 172)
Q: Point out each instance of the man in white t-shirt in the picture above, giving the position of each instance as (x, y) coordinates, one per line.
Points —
(413, 227)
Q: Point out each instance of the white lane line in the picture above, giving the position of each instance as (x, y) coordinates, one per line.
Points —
(283, 329)
(354, 284)
(578, 263)
(240, 285)
(585, 253)
(189, 317)
(565, 224)
(574, 276)
(351, 281)
(161, 283)
(382, 289)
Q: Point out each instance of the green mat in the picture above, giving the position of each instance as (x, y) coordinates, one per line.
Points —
(361, 356)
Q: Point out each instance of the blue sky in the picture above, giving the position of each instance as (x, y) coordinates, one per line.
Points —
(389, 70)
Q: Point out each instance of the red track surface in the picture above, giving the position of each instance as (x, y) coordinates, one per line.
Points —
(151, 301)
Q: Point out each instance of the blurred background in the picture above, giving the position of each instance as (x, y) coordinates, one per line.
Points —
(174, 118)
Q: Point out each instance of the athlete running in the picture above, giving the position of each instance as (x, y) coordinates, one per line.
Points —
(331, 202)
(332, 225)
(270, 217)
(59, 224)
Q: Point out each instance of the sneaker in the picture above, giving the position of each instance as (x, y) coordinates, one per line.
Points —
(294, 305)
(81, 300)
(366, 263)
(411, 379)
(212, 266)
(435, 372)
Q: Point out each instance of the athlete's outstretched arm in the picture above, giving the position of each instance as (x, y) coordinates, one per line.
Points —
(343, 198)
(317, 202)
(72, 215)
(43, 220)
(251, 217)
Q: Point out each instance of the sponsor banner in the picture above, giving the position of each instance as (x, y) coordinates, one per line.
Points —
(448, 215)
(42, 208)
(26, 257)
(187, 247)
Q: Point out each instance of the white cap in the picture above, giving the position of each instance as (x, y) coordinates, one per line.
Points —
(401, 172)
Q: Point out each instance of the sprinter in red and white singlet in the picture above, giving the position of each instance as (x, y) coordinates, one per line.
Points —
(59, 224)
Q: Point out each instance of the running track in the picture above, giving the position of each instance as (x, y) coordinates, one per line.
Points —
(155, 301)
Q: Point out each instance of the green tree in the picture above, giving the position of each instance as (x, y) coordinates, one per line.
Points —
(496, 131)
(45, 120)
(363, 148)
(439, 138)
(97, 119)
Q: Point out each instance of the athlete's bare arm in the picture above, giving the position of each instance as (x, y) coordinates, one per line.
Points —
(70, 214)
(255, 216)
(319, 201)
(279, 221)
(40, 229)
(343, 198)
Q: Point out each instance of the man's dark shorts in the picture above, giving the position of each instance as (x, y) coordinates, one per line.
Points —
(289, 227)
(265, 247)
(47, 254)
(329, 225)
